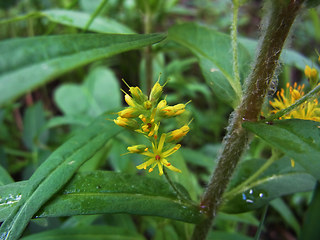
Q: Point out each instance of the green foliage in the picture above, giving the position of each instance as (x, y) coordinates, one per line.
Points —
(64, 168)
(55, 172)
(275, 182)
(215, 59)
(57, 56)
(80, 19)
(310, 228)
(108, 192)
(299, 139)
(99, 93)
(90, 232)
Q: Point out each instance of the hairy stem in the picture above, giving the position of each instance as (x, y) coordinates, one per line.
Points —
(281, 18)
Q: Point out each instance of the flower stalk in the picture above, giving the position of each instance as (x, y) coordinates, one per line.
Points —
(280, 20)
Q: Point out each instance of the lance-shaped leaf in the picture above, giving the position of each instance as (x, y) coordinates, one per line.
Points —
(214, 52)
(89, 232)
(55, 172)
(274, 182)
(5, 177)
(299, 139)
(27, 63)
(80, 19)
(100, 192)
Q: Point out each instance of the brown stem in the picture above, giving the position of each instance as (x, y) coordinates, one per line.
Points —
(283, 13)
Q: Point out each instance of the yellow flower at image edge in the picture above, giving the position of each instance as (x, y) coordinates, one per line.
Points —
(309, 110)
(158, 157)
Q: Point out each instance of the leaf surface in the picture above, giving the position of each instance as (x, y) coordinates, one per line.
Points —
(214, 52)
(55, 172)
(36, 60)
(274, 182)
(89, 232)
(101, 192)
(79, 19)
(299, 139)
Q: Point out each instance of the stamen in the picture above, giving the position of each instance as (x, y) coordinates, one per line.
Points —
(150, 170)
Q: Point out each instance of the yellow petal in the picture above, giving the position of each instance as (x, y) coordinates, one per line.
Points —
(161, 142)
(171, 151)
(145, 164)
(160, 169)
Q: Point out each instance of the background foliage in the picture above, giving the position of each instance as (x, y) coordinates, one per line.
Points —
(61, 66)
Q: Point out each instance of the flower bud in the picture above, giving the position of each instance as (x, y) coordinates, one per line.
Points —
(129, 100)
(137, 94)
(178, 134)
(172, 111)
(312, 75)
(137, 149)
(129, 112)
(156, 92)
(127, 123)
(147, 105)
(162, 104)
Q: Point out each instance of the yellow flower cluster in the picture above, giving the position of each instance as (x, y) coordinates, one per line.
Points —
(310, 110)
(143, 115)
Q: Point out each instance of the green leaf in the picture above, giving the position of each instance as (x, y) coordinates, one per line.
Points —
(312, 3)
(310, 228)
(219, 235)
(299, 139)
(89, 232)
(79, 19)
(213, 50)
(42, 59)
(66, 120)
(109, 192)
(288, 56)
(33, 122)
(5, 177)
(56, 172)
(99, 93)
(275, 182)
(281, 207)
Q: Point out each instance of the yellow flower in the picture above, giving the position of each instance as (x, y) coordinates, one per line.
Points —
(137, 94)
(312, 75)
(149, 125)
(156, 92)
(158, 158)
(137, 149)
(129, 100)
(127, 123)
(129, 112)
(162, 104)
(178, 134)
(309, 110)
(172, 111)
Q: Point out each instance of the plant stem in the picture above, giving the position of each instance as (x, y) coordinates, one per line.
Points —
(263, 217)
(264, 167)
(148, 49)
(94, 15)
(313, 93)
(180, 195)
(281, 18)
